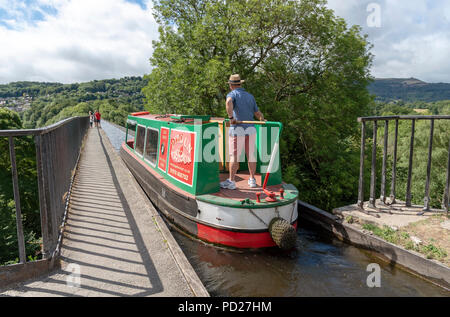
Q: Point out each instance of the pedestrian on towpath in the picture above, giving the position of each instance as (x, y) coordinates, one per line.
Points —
(91, 118)
(97, 119)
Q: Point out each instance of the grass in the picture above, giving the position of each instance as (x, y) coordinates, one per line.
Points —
(386, 233)
(433, 252)
(349, 219)
(402, 238)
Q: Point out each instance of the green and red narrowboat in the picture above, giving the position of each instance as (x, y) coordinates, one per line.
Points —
(179, 161)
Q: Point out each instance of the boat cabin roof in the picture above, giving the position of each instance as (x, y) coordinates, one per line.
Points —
(176, 118)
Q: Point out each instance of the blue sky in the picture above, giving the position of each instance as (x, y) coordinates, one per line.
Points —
(81, 40)
(28, 11)
(33, 11)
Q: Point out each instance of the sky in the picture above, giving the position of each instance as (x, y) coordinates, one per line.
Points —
(71, 41)
(410, 38)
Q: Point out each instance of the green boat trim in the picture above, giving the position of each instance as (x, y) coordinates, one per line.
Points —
(184, 117)
(290, 196)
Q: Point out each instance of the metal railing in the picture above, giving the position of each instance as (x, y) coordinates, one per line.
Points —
(372, 199)
(57, 151)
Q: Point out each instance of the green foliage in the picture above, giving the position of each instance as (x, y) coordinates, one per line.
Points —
(433, 252)
(402, 238)
(386, 233)
(9, 120)
(304, 66)
(52, 102)
(389, 234)
(20, 88)
(420, 160)
(399, 107)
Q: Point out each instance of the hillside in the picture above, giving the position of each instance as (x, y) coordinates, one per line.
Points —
(409, 90)
(40, 104)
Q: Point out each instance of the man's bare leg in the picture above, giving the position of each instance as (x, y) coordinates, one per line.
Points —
(237, 144)
(234, 166)
(252, 169)
(250, 152)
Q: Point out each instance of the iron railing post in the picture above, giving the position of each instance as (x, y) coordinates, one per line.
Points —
(360, 202)
(373, 175)
(42, 201)
(426, 200)
(15, 180)
(447, 183)
(411, 153)
(383, 169)
(394, 166)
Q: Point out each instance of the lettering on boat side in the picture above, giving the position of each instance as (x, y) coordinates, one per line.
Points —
(226, 306)
(181, 148)
(181, 156)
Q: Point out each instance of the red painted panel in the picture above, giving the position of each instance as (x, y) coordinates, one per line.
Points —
(163, 148)
(136, 114)
(181, 156)
(236, 239)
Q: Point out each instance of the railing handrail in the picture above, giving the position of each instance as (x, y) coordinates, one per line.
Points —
(403, 117)
(37, 131)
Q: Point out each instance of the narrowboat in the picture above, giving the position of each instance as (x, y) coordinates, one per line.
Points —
(180, 160)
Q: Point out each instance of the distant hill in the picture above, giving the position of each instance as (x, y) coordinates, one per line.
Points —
(40, 104)
(109, 87)
(409, 90)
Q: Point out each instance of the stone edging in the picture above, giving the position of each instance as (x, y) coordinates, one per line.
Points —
(20, 272)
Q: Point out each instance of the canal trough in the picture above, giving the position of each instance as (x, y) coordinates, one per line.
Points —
(321, 264)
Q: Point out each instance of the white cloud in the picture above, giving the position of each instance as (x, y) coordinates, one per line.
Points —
(81, 40)
(413, 40)
(84, 40)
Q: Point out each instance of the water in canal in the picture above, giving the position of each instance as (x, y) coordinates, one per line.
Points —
(319, 265)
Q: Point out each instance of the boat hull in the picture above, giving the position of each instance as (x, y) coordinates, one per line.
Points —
(221, 225)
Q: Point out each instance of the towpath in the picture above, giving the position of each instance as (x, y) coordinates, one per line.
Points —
(115, 243)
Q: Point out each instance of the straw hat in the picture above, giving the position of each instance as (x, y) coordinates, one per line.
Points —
(235, 79)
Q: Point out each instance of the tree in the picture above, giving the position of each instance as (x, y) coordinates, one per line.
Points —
(303, 65)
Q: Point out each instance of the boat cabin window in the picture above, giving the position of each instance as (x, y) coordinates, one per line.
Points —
(139, 140)
(151, 145)
(131, 131)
